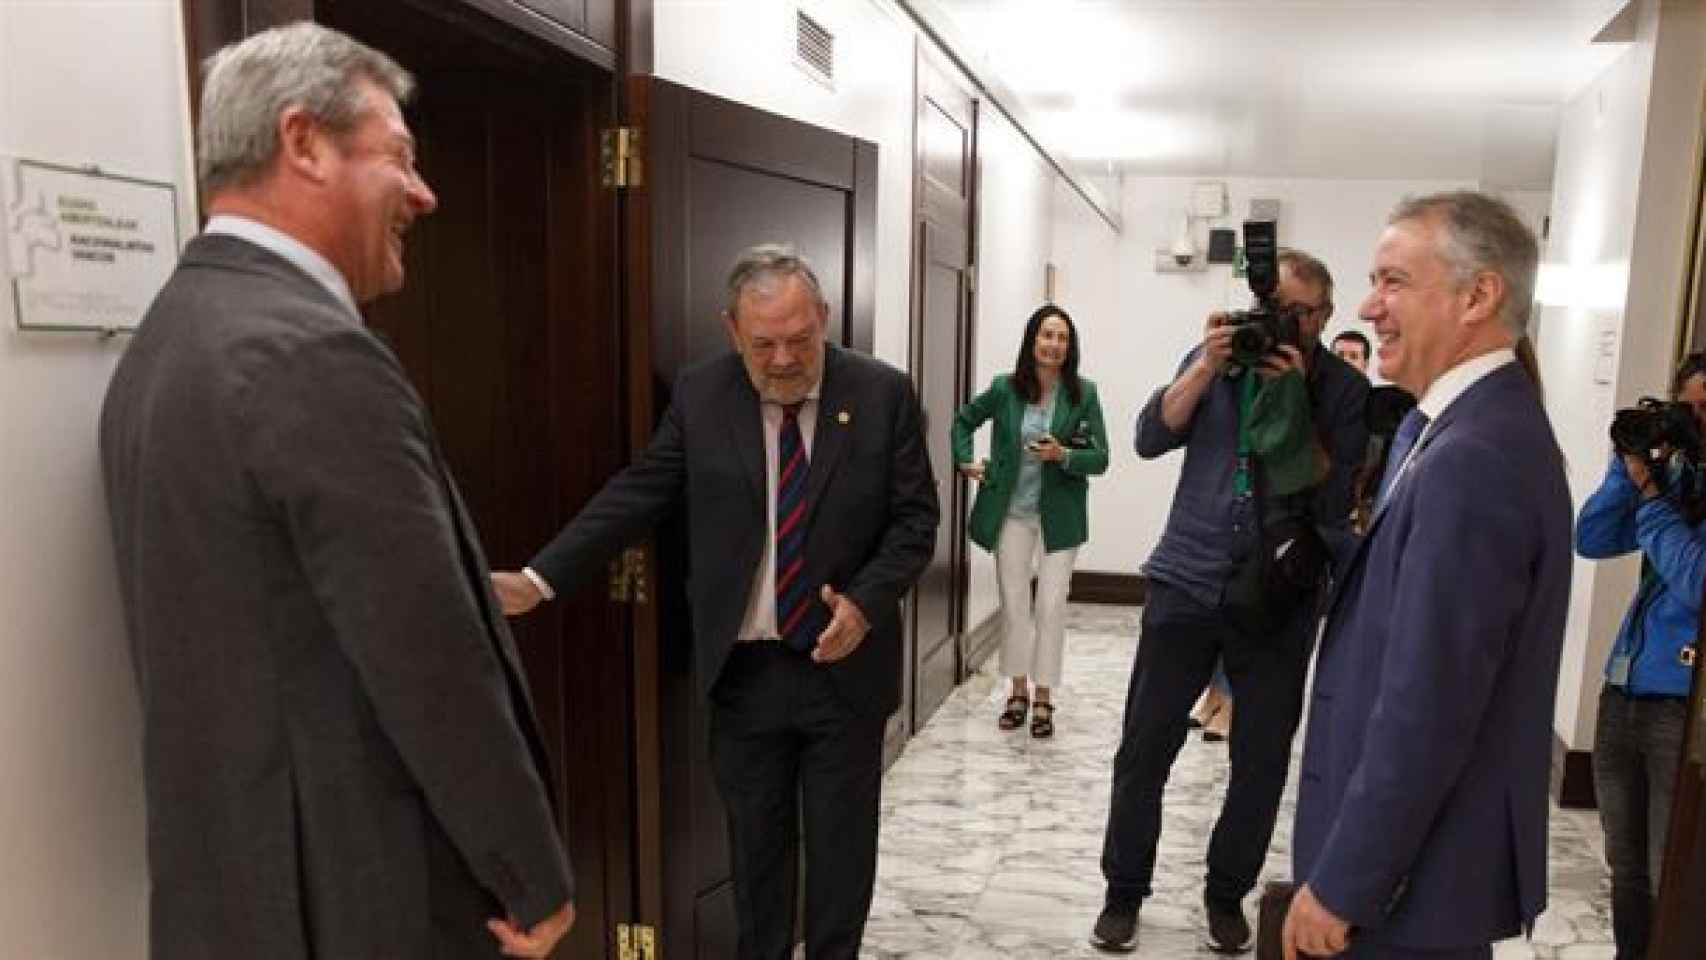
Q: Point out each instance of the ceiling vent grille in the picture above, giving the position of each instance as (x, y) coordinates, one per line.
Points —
(814, 48)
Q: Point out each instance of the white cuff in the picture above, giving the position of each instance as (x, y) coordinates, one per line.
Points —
(539, 583)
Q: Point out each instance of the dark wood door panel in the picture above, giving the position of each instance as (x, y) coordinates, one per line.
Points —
(1680, 921)
(569, 13)
(944, 179)
(942, 312)
(723, 130)
(725, 221)
(507, 326)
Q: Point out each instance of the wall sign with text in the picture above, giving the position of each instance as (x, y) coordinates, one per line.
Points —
(87, 249)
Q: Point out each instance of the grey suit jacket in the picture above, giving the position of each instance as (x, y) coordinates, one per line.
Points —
(340, 754)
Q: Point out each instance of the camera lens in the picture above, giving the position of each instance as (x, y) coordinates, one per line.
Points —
(1250, 341)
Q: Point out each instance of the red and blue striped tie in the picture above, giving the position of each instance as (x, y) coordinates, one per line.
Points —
(793, 595)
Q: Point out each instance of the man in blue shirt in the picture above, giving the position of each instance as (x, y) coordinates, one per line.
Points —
(1189, 623)
(1643, 708)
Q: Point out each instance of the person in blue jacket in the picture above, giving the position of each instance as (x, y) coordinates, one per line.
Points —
(1643, 707)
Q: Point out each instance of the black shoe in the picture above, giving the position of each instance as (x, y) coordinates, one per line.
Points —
(1116, 928)
(1228, 931)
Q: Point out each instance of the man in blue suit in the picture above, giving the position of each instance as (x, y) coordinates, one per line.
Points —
(1422, 805)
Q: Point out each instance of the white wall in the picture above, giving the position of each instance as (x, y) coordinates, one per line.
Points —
(1138, 323)
(1627, 145)
(81, 81)
(743, 50)
(873, 99)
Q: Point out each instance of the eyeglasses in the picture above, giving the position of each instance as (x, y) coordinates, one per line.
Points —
(1320, 309)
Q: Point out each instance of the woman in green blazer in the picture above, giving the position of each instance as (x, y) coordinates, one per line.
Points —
(1048, 441)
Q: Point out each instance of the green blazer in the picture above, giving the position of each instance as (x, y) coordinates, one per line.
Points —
(1064, 520)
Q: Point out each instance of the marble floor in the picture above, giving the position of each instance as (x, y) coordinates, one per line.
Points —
(990, 840)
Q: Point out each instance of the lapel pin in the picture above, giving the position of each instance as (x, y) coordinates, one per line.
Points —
(844, 418)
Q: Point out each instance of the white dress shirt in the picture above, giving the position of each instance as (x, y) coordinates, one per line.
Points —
(760, 620)
(759, 623)
(1445, 390)
(298, 253)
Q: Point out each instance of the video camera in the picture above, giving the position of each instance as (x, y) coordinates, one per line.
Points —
(1267, 326)
(1652, 426)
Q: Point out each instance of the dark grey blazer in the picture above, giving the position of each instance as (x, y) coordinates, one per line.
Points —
(340, 754)
(871, 502)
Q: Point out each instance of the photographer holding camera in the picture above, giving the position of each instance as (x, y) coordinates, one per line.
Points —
(1651, 500)
(1272, 425)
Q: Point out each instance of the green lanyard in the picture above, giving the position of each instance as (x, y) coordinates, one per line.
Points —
(1243, 482)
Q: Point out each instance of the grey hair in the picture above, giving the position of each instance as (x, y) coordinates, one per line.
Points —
(1483, 232)
(763, 265)
(249, 83)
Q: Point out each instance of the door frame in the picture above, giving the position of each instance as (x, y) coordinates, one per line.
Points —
(932, 70)
(1682, 879)
(654, 310)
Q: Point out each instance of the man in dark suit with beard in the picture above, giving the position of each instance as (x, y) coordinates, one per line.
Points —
(812, 510)
(341, 759)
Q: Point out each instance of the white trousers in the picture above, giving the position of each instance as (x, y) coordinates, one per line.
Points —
(1033, 641)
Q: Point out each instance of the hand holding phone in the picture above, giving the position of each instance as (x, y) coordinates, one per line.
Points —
(1046, 447)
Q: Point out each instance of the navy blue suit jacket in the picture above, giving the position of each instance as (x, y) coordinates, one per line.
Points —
(1422, 806)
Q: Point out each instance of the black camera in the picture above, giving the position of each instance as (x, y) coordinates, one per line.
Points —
(1645, 429)
(1267, 326)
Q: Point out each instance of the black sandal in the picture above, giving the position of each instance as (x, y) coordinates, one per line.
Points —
(1013, 717)
(1042, 723)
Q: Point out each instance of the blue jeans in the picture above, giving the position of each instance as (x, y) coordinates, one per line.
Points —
(1637, 746)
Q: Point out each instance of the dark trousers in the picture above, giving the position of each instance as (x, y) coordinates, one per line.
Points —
(1637, 746)
(1176, 655)
(782, 736)
(1377, 951)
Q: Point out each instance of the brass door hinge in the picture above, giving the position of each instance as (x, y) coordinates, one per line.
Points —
(636, 942)
(619, 157)
(628, 582)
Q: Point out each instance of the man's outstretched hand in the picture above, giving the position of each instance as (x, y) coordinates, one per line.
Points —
(516, 593)
(538, 942)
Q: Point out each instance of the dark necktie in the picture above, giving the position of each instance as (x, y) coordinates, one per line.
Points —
(794, 621)
(1409, 429)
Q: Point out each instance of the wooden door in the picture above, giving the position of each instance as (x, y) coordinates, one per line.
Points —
(1680, 932)
(944, 205)
(508, 326)
(717, 177)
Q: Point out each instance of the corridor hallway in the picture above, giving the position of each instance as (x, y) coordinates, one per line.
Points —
(990, 840)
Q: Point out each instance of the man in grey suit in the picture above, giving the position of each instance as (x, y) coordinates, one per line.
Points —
(341, 759)
(1422, 803)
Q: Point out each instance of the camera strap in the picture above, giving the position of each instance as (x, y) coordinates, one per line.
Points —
(1244, 474)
